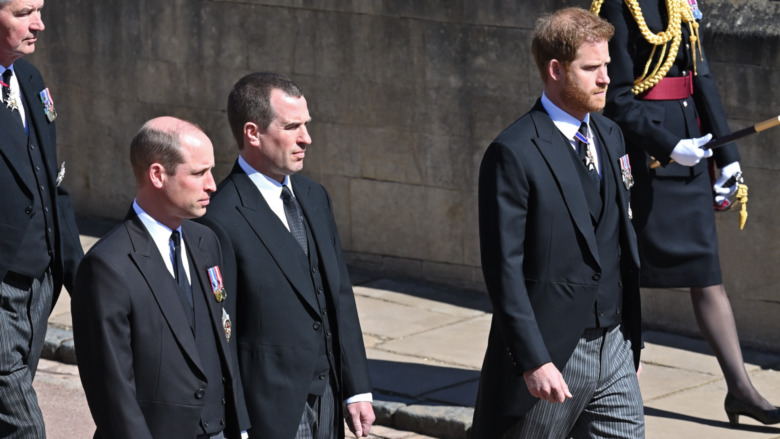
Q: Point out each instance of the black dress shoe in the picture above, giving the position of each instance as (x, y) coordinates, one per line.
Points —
(735, 407)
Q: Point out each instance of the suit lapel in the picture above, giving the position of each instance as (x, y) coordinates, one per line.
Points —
(13, 141)
(563, 170)
(609, 138)
(272, 233)
(13, 144)
(320, 231)
(202, 260)
(162, 285)
(36, 118)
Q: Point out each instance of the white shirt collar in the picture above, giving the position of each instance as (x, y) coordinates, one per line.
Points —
(161, 236)
(566, 123)
(270, 189)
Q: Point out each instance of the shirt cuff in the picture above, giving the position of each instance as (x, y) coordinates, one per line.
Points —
(362, 397)
(244, 435)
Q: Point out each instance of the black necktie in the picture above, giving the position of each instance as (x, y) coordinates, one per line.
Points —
(7, 80)
(179, 273)
(581, 139)
(292, 210)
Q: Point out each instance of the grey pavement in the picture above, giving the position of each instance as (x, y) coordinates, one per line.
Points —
(425, 345)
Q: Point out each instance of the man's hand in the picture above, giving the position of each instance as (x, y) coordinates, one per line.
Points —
(546, 382)
(688, 152)
(639, 370)
(360, 417)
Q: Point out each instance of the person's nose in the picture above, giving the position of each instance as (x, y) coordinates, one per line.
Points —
(303, 136)
(37, 23)
(210, 185)
(603, 77)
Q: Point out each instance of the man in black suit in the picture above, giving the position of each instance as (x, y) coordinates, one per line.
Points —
(300, 345)
(39, 241)
(151, 316)
(559, 254)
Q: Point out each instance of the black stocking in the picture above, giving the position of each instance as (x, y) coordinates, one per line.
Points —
(716, 322)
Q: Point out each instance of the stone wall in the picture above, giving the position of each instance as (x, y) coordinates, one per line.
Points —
(405, 97)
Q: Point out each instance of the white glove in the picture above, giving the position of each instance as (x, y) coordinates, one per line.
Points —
(688, 152)
(721, 192)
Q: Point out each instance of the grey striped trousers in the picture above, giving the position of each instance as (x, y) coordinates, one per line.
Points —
(24, 314)
(318, 418)
(606, 399)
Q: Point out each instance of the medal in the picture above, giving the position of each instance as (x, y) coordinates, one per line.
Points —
(695, 9)
(48, 105)
(217, 286)
(14, 101)
(625, 172)
(61, 174)
(226, 324)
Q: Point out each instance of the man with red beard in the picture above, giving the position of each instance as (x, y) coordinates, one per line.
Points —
(559, 254)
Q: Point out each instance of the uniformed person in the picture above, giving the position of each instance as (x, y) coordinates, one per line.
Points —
(665, 100)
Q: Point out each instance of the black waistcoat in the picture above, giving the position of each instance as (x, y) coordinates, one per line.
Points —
(212, 418)
(38, 242)
(604, 209)
(325, 365)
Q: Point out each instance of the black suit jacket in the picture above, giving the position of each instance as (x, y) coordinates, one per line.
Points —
(278, 320)
(540, 259)
(136, 351)
(18, 183)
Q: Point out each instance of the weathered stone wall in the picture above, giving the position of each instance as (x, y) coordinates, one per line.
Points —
(405, 97)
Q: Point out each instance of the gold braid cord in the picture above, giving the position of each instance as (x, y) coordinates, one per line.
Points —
(679, 13)
(742, 199)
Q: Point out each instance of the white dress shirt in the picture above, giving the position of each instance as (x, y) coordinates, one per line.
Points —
(569, 125)
(14, 86)
(161, 235)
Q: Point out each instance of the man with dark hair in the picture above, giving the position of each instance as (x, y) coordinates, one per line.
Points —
(299, 339)
(559, 255)
(151, 316)
(39, 240)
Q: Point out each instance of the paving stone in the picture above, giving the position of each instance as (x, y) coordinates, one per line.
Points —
(462, 343)
(391, 320)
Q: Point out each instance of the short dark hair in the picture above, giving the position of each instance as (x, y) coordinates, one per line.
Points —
(250, 101)
(559, 35)
(152, 145)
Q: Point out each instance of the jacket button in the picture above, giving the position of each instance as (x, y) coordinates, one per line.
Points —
(221, 422)
(199, 393)
(322, 377)
(316, 326)
(28, 210)
(597, 276)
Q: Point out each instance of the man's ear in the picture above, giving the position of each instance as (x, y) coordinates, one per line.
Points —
(157, 175)
(252, 134)
(556, 70)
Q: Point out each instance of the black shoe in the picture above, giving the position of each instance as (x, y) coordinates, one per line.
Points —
(735, 407)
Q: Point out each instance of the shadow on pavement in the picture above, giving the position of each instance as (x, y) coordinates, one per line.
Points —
(412, 383)
(650, 411)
